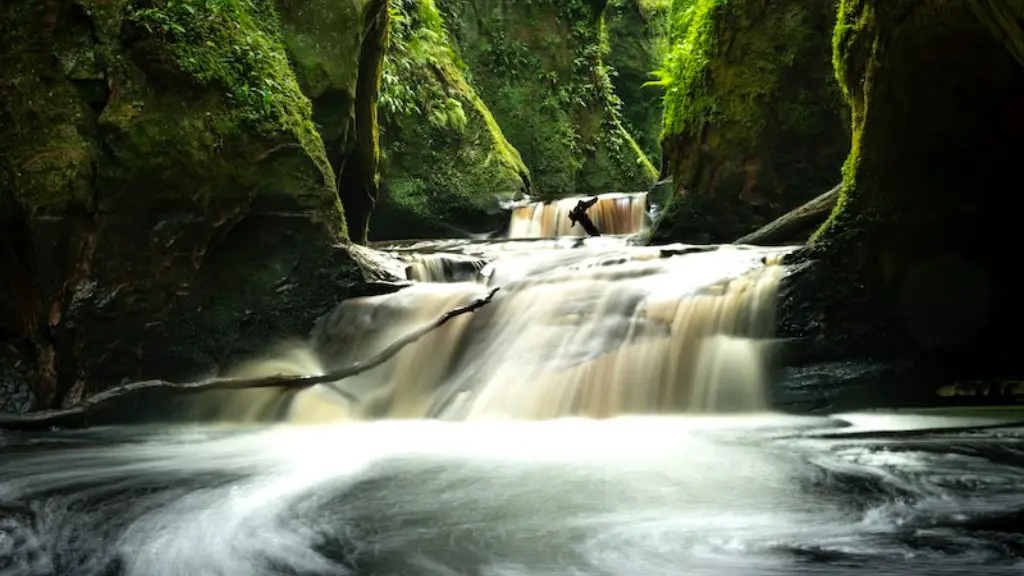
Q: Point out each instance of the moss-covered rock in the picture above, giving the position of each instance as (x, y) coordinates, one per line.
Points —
(446, 164)
(638, 43)
(337, 50)
(755, 124)
(167, 202)
(540, 67)
(910, 264)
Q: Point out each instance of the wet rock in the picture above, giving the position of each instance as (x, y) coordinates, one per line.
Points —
(755, 123)
(169, 207)
(907, 269)
(16, 393)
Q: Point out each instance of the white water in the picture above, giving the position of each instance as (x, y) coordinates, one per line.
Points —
(614, 214)
(556, 465)
(594, 328)
(626, 496)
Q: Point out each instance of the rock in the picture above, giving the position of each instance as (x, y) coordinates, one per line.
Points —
(337, 50)
(637, 43)
(16, 393)
(909, 265)
(446, 165)
(541, 68)
(755, 124)
(167, 203)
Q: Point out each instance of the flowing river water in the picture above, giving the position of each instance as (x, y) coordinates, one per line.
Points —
(605, 414)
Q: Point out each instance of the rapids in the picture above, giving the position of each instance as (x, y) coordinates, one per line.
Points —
(724, 495)
(608, 413)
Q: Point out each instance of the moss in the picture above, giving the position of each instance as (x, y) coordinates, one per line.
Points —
(337, 50)
(137, 135)
(754, 123)
(182, 104)
(48, 146)
(234, 49)
(446, 161)
(637, 39)
(540, 67)
(935, 91)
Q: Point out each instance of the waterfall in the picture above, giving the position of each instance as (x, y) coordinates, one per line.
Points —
(594, 329)
(614, 214)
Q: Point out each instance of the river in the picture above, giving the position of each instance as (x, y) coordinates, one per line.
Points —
(606, 414)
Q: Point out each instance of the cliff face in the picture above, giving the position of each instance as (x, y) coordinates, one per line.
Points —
(540, 67)
(755, 123)
(162, 181)
(909, 264)
(337, 50)
(637, 32)
(446, 164)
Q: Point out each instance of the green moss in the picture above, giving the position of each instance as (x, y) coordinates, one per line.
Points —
(164, 107)
(638, 43)
(754, 122)
(337, 50)
(907, 255)
(235, 45)
(446, 161)
(322, 39)
(870, 194)
(46, 160)
(540, 68)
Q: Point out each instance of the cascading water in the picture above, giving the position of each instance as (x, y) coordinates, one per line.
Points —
(613, 214)
(581, 327)
(593, 331)
(551, 432)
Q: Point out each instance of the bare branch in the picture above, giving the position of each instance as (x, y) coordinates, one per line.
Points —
(77, 416)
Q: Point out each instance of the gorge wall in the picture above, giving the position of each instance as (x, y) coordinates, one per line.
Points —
(909, 266)
(637, 32)
(755, 124)
(485, 101)
(541, 68)
(446, 165)
(165, 181)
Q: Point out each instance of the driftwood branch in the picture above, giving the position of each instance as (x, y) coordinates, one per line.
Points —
(796, 226)
(77, 416)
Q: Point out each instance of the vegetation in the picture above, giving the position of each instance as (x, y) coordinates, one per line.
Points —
(638, 43)
(446, 162)
(906, 266)
(569, 124)
(236, 45)
(233, 52)
(754, 122)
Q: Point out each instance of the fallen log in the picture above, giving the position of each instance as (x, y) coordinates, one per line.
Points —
(78, 416)
(797, 225)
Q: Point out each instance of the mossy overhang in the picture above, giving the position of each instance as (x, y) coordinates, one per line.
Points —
(337, 50)
(754, 123)
(912, 258)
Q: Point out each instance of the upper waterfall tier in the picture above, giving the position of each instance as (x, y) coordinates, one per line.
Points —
(613, 214)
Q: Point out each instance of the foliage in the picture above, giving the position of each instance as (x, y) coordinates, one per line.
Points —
(691, 33)
(236, 45)
(445, 157)
(541, 67)
(417, 41)
(638, 43)
(754, 120)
